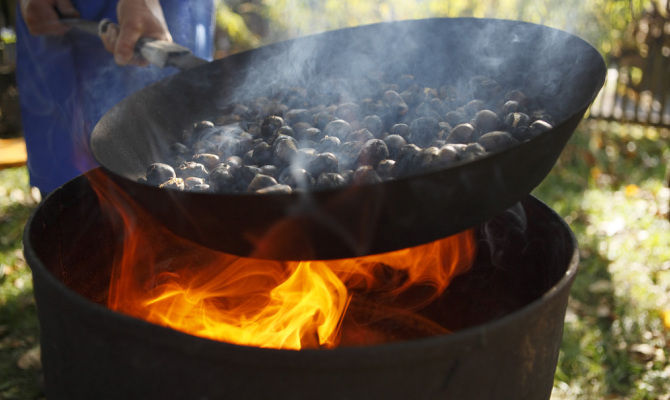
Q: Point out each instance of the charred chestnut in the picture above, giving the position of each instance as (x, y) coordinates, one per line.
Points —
(286, 131)
(260, 181)
(428, 159)
(408, 160)
(191, 182)
(386, 169)
(472, 107)
(472, 151)
(158, 173)
(244, 175)
(462, 133)
(542, 115)
(349, 112)
(456, 117)
(221, 178)
(270, 170)
(303, 157)
(361, 135)
(518, 96)
(322, 119)
(201, 129)
(449, 154)
(373, 124)
(270, 125)
(190, 168)
(538, 127)
(349, 153)
(395, 103)
(173, 183)
(511, 106)
(324, 162)
(302, 137)
(284, 149)
(348, 175)
(365, 175)
(497, 141)
(338, 128)
(517, 124)
(486, 121)
(394, 143)
(262, 153)
(208, 160)
(400, 130)
(373, 151)
(422, 131)
(275, 189)
(234, 162)
(329, 144)
(313, 134)
(298, 115)
(296, 178)
(330, 180)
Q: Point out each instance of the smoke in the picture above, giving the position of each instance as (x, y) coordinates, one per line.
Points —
(357, 63)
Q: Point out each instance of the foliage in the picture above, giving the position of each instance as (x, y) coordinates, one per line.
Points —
(235, 27)
(601, 22)
(609, 185)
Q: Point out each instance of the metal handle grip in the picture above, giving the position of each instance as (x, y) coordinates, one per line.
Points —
(160, 53)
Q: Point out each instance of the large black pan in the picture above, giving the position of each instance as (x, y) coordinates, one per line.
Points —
(560, 71)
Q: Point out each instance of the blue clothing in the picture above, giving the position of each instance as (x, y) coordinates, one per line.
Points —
(66, 83)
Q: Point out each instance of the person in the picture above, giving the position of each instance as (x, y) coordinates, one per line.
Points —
(68, 79)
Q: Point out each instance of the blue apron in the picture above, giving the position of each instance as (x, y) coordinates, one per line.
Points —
(66, 83)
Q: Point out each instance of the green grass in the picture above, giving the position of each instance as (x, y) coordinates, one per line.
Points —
(609, 184)
(19, 332)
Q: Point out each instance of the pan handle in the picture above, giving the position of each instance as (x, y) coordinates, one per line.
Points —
(167, 54)
(160, 53)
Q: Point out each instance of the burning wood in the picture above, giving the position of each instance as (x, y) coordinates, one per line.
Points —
(506, 321)
(169, 281)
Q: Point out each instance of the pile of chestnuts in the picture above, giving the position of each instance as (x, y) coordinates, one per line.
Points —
(296, 140)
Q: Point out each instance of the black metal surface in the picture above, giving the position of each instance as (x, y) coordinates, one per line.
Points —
(560, 71)
(510, 320)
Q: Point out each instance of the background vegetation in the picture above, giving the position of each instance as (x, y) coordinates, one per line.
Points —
(604, 23)
(609, 184)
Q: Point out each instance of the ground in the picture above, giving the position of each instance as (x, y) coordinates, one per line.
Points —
(610, 186)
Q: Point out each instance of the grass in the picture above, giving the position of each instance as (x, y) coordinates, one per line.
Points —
(609, 184)
(19, 333)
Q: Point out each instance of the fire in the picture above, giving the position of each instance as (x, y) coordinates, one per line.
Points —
(169, 281)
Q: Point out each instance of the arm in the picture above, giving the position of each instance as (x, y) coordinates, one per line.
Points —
(42, 16)
(137, 18)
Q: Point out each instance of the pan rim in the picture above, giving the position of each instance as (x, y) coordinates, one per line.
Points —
(583, 106)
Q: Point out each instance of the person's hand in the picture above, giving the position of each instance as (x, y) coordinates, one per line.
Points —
(41, 16)
(137, 18)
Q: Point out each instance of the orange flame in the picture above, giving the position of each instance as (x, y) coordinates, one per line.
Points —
(168, 281)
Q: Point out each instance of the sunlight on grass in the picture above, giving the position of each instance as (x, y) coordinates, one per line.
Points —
(19, 334)
(610, 186)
